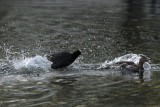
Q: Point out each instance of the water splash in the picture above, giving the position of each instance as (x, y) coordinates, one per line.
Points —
(147, 70)
(128, 57)
(155, 67)
(33, 63)
(19, 62)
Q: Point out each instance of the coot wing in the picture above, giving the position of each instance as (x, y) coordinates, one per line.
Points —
(61, 59)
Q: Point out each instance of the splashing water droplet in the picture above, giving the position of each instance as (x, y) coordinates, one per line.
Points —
(147, 72)
(33, 62)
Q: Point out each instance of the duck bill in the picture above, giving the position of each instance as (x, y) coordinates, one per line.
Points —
(149, 61)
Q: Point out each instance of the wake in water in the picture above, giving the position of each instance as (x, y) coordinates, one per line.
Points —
(133, 58)
(13, 68)
(128, 57)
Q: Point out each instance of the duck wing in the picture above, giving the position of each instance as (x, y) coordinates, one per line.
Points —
(125, 62)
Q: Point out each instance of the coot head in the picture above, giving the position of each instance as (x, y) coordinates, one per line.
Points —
(76, 54)
(49, 58)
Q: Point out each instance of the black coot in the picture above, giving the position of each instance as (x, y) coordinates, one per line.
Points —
(63, 59)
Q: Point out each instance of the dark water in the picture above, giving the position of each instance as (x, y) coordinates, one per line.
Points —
(102, 29)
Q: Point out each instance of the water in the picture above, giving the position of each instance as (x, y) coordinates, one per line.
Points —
(106, 31)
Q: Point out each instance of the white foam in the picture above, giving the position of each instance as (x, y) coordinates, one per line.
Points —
(33, 62)
(146, 66)
(147, 72)
(128, 57)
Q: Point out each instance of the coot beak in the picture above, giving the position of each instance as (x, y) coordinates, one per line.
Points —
(49, 58)
(80, 50)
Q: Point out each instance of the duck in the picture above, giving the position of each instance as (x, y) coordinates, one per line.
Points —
(131, 66)
(63, 59)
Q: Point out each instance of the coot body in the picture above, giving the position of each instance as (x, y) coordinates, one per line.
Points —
(63, 59)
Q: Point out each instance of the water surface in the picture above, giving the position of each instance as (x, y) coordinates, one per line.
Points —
(102, 29)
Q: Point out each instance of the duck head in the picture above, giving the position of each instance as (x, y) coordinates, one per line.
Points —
(142, 60)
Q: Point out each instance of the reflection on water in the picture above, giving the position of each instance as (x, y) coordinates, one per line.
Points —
(102, 29)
